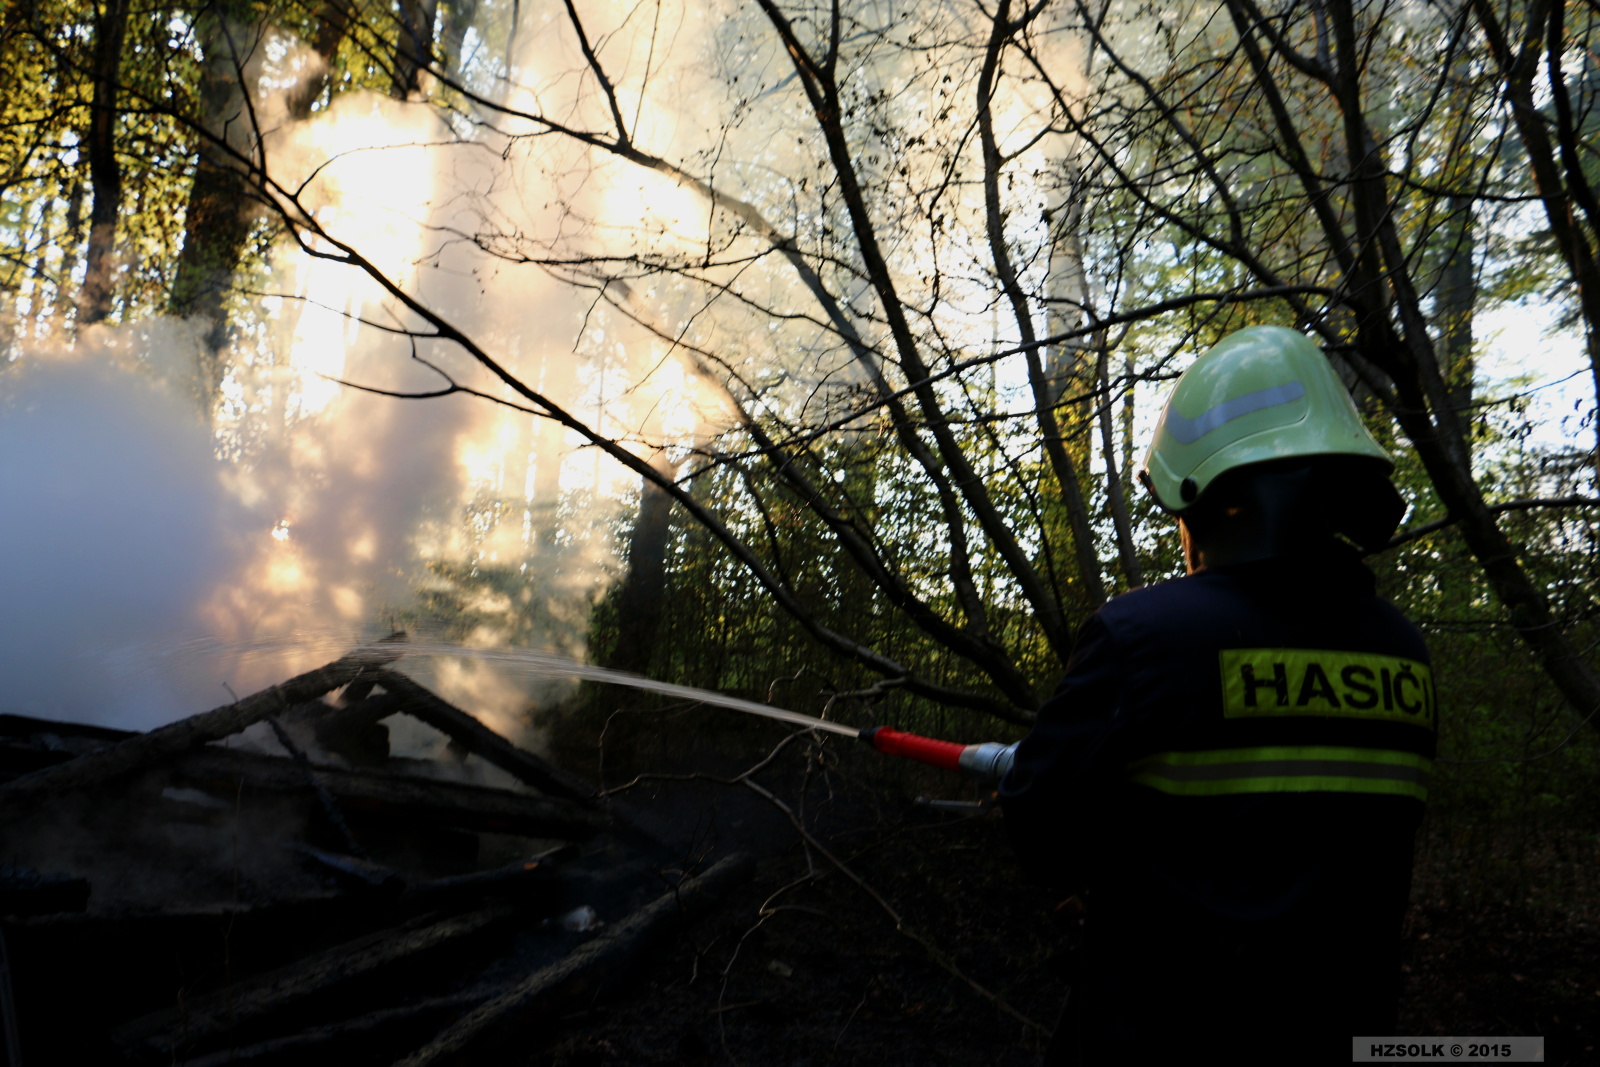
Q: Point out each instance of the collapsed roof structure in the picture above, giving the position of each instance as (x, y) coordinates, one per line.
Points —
(178, 897)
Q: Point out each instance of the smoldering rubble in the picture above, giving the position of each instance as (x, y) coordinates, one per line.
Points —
(178, 896)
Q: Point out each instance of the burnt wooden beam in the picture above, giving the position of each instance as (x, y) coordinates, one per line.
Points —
(28, 745)
(477, 738)
(210, 1018)
(330, 807)
(514, 879)
(590, 969)
(354, 1037)
(25, 891)
(70, 733)
(355, 872)
(402, 796)
(142, 750)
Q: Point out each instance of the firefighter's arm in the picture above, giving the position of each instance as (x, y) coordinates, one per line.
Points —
(1066, 771)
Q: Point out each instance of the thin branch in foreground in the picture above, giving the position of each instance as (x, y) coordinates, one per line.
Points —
(1425, 529)
(935, 953)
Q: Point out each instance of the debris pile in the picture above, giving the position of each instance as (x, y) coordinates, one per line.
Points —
(191, 896)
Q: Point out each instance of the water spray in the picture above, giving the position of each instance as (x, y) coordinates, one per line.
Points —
(986, 763)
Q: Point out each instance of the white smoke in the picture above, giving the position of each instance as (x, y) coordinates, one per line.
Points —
(115, 526)
(141, 578)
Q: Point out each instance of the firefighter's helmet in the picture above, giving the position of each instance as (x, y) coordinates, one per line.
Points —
(1261, 394)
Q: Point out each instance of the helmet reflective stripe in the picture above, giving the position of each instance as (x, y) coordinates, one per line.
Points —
(1285, 769)
(1188, 431)
(1262, 393)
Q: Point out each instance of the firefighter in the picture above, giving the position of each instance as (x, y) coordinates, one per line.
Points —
(1232, 771)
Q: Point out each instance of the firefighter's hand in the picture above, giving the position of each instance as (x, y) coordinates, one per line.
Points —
(988, 762)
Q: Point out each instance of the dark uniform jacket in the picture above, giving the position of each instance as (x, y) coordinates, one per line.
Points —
(1233, 768)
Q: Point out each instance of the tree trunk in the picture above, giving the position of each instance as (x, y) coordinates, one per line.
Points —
(1116, 502)
(220, 212)
(413, 48)
(453, 25)
(1563, 186)
(638, 600)
(333, 22)
(1454, 301)
(1045, 391)
(105, 173)
(1527, 605)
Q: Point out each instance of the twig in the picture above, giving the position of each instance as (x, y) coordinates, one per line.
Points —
(934, 952)
(766, 911)
(1573, 501)
(873, 692)
(1565, 741)
(701, 776)
(853, 1012)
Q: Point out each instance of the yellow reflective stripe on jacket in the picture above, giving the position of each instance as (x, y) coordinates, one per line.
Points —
(1279, 682)
(1285, 769)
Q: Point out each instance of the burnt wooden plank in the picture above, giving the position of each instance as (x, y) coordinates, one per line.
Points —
(25, 891)
(590, 968)
(205, 1019)
(515, 878)
(28, 744)
(27, 726)
(356, 1037)
(398, 795)
(380, 882)
(142, 750)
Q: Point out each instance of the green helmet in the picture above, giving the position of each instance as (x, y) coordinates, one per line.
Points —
(1263, 393)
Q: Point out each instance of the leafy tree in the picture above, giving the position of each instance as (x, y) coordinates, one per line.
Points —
(917, 266)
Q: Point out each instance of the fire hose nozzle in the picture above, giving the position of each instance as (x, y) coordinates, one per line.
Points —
(988, 762)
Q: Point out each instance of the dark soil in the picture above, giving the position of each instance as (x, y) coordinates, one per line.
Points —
(799, 970)
(807, 965)
(1493, 952)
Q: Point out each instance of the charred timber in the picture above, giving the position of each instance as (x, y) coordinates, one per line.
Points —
(25, 891)
(330, 807)
(355, 872)
(142, 750)
(403, 796)
(207, 1020)
(514, 879)
(590, 970)
(28, 745)
(354, 1040)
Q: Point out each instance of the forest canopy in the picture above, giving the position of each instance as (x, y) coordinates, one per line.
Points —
(756, 338)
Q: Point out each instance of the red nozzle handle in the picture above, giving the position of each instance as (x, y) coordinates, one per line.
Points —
(946, 754)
